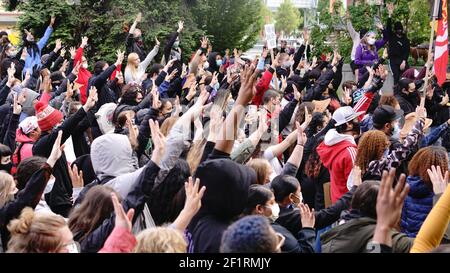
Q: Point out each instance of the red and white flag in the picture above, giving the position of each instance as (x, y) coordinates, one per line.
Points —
(441, 47)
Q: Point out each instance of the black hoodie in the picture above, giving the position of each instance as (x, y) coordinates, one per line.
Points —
(227, 184)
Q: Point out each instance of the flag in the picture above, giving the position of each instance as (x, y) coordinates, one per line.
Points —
(441, 46)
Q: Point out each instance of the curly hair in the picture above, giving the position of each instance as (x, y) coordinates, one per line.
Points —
(314, 164)
(388, 100)
(424, 159)
(160, 240)
(371, 147)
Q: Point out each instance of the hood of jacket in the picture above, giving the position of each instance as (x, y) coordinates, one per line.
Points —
(351, 237)
(112, 156)
(227, 186)
(22, 138)
(333, 145)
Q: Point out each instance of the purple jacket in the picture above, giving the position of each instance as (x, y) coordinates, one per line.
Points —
(365, 57)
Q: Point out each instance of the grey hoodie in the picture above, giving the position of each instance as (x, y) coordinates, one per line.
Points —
(112, 156)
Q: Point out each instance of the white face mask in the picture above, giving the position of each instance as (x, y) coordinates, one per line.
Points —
(72, 248)
(396, 133)
(275, 212)
(85, 66)
(371, 41)
(206, 65)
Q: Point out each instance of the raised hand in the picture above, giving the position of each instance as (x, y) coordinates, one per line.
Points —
(69, 91)
(193, 196)
(171, 75)
(214, 79)
(91, 100)
(439, 181)
(308, 217)
(17, 108)
(156, 103)
(308, 118)
(57, 150)
(123, 220)
(58, 45)
(180, 26)
(72, 52)
(63, 52)
(157, 42)
(421, 112)
(139, 17)
(120, 56)
(390, 8)
(192, 91)
(84, 42)
(169, 65)
(76, 177)
(159, 142)
(11, 71)
(346, 97)
(301, 136)
(389, 206)
(283, 83)
(297, 94)
(248, 80)
(24, 53)
(204, 42)
(52, 20)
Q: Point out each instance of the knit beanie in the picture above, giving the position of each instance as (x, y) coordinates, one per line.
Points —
(251, 234)
(47, 116)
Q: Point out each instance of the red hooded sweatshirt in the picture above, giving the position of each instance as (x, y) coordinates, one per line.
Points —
(23, 151)
(83, 76)
(338, 153)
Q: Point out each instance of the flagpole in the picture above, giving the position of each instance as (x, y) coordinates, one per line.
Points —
(430, 48)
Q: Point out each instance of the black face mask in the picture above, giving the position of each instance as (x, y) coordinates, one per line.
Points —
(399, 32)
(6, 167)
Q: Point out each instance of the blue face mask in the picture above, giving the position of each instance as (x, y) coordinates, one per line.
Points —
(219, 62)
(217, 86)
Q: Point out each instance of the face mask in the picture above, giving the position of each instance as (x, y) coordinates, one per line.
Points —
(12, 53)
(50, 184)
(217, 86)
(176, 44)
(219, 62)
(275, 212)
(371, 41)
(6, 167)
(206, 65)
(396, 132)
(85, 66)
(72, 248)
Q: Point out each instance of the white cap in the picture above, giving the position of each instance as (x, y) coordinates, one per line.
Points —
(29, 124)
(345, 114)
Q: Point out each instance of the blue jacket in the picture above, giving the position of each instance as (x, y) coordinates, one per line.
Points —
(418, 204)
(35, 59)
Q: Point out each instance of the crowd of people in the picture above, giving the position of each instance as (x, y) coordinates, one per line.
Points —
(220, 153)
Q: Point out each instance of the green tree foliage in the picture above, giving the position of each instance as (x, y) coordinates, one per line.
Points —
(230, 23)
(331, 33)
(287, 18)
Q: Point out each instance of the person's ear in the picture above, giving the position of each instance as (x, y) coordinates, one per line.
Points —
(259, 209)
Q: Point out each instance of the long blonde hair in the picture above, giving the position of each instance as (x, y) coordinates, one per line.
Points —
(131, 67)
(6, 184)
(160, 240)
(36, 233)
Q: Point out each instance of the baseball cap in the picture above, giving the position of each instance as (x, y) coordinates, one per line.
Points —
(345, 114)
(385, 114)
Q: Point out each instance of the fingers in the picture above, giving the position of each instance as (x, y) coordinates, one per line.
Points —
(130, 215)
(118, 209)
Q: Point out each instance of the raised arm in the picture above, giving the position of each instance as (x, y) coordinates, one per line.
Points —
(48, 32)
